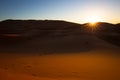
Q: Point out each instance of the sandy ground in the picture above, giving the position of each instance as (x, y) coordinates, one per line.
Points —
(100, 62)
(93, 65)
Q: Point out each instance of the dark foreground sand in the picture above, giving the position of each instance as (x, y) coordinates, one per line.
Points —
(92, 65)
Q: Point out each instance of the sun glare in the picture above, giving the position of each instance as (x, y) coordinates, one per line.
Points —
(94, 19)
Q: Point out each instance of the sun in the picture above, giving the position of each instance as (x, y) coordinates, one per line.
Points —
(93, 19)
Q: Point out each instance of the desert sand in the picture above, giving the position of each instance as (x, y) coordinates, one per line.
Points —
(58, 50)
(85, 66)
(71, 59)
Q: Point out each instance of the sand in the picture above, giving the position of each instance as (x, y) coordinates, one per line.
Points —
(99, 60)
(93, 65)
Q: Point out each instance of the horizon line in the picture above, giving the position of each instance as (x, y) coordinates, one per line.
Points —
(57, 20)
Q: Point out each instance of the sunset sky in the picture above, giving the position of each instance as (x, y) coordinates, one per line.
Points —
(79, 11)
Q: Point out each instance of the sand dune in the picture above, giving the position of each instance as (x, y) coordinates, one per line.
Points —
(6, 75)
(93, 65)
(68, 44)
(47, 52)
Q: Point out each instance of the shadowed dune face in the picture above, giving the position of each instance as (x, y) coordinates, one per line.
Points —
(42, 36)
(50, 36)
(33, 29)
(109, 33)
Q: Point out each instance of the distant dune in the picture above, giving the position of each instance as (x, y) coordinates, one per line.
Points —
(55, 36)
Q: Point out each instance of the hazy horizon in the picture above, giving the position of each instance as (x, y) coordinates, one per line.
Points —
(78, 11)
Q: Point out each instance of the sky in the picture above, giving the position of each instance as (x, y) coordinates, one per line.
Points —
(79, 11)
